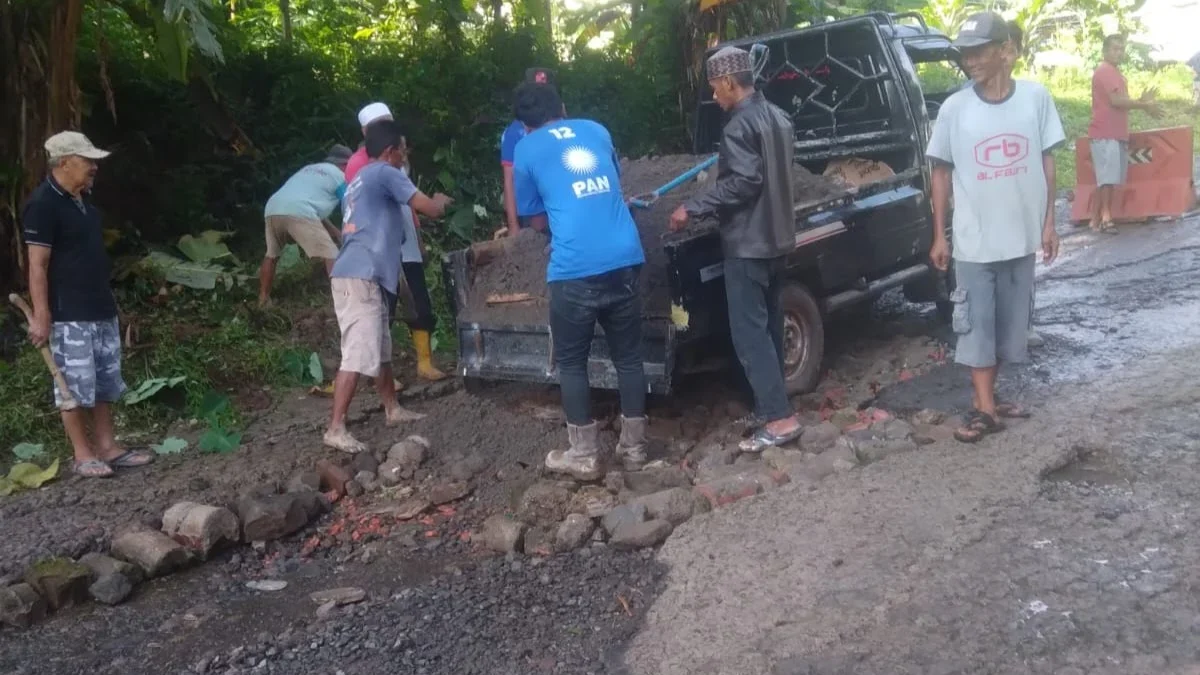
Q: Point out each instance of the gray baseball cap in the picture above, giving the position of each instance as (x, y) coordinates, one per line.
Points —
(982, 28)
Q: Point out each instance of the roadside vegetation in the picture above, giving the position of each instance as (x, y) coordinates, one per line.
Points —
(209, 106)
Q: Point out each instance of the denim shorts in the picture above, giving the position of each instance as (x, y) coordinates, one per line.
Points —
(89, 355)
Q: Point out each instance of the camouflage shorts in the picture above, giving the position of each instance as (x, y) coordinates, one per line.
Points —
(89, 355)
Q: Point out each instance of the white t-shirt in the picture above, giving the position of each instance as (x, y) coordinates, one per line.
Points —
(999, 183)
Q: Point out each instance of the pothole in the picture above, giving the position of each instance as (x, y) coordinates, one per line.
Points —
(1090, 466)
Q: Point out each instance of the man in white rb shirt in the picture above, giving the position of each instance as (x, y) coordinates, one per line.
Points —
(991, 148)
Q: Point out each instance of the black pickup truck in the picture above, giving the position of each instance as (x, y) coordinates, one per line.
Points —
(854, 90)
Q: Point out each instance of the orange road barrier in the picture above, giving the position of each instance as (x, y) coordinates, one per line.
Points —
(1159, 181)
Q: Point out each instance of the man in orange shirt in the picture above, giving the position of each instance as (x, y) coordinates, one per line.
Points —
(1109, 130)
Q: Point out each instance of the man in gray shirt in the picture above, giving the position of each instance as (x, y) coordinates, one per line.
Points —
(367, 272)
(991, 147)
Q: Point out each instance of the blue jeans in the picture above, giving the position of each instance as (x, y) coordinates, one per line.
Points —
(614, 300)
(752, 290)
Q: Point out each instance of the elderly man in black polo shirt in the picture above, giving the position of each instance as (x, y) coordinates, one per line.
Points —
(73, 305)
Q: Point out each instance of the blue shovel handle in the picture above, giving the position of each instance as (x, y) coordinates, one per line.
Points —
(646, 201)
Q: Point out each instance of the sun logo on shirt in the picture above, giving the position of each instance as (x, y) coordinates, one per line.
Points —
(579, 160)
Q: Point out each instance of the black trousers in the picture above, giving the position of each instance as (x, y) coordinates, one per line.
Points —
(752, 290)
(414, 274)
(614, 300)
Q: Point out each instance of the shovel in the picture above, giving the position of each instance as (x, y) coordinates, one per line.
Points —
(647, 200)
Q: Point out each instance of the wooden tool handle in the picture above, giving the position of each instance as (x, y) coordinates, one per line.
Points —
(68, 401)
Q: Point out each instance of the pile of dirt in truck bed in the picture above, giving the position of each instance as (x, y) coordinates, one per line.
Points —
(521, 268)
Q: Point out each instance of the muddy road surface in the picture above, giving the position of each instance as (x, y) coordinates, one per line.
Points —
(1065, 545)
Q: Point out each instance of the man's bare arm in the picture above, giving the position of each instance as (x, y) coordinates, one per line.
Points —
(39, 291)
(434, 207)
(510, 201)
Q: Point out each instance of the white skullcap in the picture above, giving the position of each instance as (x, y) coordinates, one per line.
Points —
(372, 112)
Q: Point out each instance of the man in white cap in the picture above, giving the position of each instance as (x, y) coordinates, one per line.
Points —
(752, 198)
(372, 112)
(73, 305)
(300, 211)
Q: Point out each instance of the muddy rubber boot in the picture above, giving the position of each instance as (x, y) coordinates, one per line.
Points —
(631, 449)
(423, 341)
(582, 459)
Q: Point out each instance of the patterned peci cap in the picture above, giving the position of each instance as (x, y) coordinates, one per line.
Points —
(728, 61)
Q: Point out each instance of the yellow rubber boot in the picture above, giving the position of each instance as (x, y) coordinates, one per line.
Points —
(425, 368)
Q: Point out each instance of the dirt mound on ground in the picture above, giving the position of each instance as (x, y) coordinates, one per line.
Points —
(521, 269)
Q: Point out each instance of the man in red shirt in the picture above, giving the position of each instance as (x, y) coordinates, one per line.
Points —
(1109, 130)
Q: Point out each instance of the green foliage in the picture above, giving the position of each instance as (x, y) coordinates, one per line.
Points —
(27, 451)
(27, 476)
(170, 446)
(150, 387)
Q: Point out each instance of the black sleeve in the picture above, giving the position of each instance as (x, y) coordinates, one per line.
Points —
(739, 152)
(39, 223)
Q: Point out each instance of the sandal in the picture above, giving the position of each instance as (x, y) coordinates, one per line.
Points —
(764, 438)
(979, 424)
(1107, 227)
(131, 459)
(93, 468)
(1012, 411)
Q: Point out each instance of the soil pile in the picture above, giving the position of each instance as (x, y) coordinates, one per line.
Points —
(521, 268)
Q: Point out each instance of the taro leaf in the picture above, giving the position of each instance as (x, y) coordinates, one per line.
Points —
(219, 440)
(205, 248)
(150, 387)
(6, 487)
(213, 403)
(32, 476)
(289, 258)
(462, 222)
(27, 451)
(201, 276)
(315, 371)
(295, 365)
(170, 446)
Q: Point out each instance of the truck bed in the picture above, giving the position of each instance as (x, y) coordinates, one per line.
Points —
(522, 349)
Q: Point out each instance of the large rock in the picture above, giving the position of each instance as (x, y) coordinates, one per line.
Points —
(391, 473)
(502, 534)
(820, 437)
(408, 452)
(838, 459)
(544, 503)
(62, 582)
(738, 483)
(623, 515)
(302, 481)
(21, 606)
(468, 467)
(111, 589)
(649, 481)
(314, 503)
(630, 536)
(101, 565)
(573, 532)
(448, 492)
(893, 430)
(333, 476)
(200, 528)
(875, 450)
(675, 506)
(593, 501)
(339, 596)
(540, 540)
(268, 518)
(364, 461)
(153, 552)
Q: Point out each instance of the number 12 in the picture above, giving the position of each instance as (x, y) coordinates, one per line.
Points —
(562, 133)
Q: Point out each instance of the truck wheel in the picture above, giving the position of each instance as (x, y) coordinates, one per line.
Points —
(803, 339)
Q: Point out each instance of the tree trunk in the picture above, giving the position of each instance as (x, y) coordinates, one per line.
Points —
(497, 12)
(285, 10)
(40, 98)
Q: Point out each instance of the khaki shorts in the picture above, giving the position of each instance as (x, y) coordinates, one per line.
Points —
(310, 235)
(362, 315)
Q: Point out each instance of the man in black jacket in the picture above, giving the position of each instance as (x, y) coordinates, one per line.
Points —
(752, 199)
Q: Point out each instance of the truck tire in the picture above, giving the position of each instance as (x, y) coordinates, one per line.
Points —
(803, 339)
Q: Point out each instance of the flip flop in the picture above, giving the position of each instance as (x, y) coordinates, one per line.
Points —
(764, 438)
(979, 424)
(93, 468)
(131, 459)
